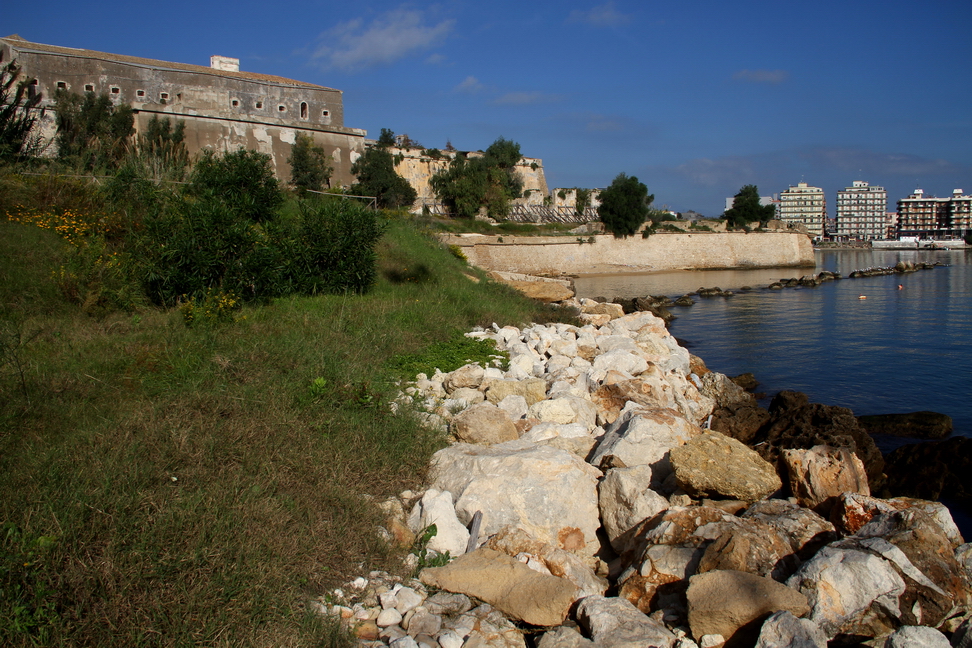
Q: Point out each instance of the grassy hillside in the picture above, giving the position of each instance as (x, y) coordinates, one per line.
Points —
(167, 485)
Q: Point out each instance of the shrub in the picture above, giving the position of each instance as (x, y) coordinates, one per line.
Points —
(328, 246)
(334, 250)
(213, 307)
(242, 180)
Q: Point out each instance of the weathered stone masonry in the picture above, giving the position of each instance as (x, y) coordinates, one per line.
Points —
(222, 107)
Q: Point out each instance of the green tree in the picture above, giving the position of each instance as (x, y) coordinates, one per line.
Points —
(624, 205)
(92, 132)
(375, 171)
(387, 138)
(18, 113)
(310, 166)
(746, 208)
(243, 180)
(490, 181)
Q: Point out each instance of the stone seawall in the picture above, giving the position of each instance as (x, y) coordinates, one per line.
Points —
(562, 255)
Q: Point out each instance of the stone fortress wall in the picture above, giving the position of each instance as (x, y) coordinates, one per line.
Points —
(563, 255)
(223, 108)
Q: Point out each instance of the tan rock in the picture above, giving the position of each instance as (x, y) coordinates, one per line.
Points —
(533, 390)
(755, 548)
(468, 376)
(506, 584)
(714, 464)
(734, 604)
(484, 424)
(514, 541)
(602, 308)
(819, 475)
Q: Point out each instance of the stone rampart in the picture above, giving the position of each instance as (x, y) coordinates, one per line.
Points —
(562, 255)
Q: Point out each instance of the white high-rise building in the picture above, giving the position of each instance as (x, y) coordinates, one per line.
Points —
(804, 205)
(862, 212)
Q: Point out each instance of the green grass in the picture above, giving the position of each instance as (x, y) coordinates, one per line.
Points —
(174, 486)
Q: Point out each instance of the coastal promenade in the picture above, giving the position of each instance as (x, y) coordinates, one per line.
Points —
(602, 254)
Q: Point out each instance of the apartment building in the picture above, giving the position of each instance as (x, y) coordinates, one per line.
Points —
(931, 217)
(862, 212)
(804, 205)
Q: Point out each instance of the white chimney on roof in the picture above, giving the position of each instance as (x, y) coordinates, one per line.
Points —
(224, 63)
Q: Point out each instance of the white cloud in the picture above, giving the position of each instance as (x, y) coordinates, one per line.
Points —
(470, 85)
(436, 59)
(604, 15)
(771, 77)
(354, 45)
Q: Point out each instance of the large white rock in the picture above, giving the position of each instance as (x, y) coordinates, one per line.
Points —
(620, 360)
(549, 492)
(469, 376)
(626, 499)
(917, 637)
(558, 410)
(607, 343)
(436, 507)
(646, 438)
(784, 629)
(614, 622)
(842, 584)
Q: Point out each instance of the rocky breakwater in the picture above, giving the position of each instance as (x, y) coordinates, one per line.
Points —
(584, 501)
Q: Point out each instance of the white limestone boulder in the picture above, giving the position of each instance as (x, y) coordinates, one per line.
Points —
(614, 622)
(436, 507)
(549, 492)
(626, 499)
(646, 438)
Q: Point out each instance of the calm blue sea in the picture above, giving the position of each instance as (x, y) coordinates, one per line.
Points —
(899, 350)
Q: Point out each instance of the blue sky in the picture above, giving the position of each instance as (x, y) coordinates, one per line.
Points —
(695, 98)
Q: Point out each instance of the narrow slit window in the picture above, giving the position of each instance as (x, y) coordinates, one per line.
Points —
(282, 108)
(303, 110)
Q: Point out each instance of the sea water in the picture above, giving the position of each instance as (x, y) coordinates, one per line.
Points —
(877, 345)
